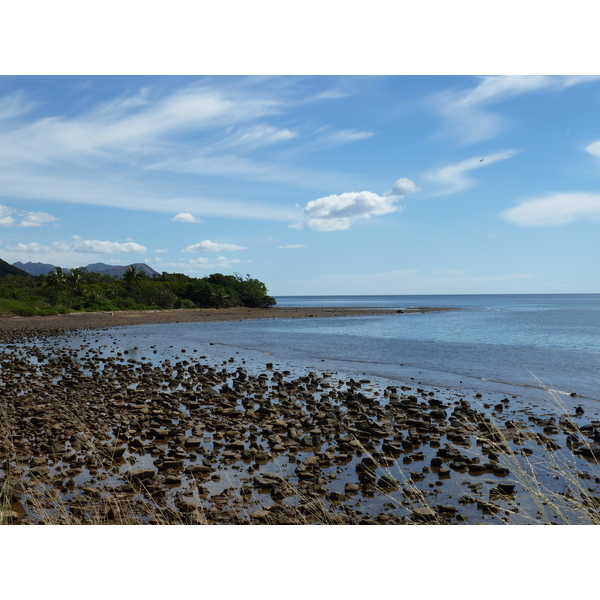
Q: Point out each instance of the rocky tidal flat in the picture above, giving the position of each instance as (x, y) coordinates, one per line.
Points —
(91, 436)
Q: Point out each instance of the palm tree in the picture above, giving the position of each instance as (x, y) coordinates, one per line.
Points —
(56, 279)
(74, 281)
(131, 276)
(220, 297)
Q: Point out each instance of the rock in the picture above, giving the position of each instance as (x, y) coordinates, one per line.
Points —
(313, 508)
(424, 515)
(387, 481)
(261, 515)
(114, 451)
(11, 490)
(140, 474)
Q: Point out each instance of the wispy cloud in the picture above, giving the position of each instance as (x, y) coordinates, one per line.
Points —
(338, 211)
(464, 110)
(335, 138)
(554, 210)
(594, 149)
(208, 246)
(257, 136)
(454, 178)
(13, 106)
(291, 246)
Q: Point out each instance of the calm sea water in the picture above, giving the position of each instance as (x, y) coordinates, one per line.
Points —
(506, 343)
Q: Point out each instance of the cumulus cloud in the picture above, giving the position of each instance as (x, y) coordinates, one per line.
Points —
(208, 246)
(453, 178)
(98, 247)
(554, 210)
(29, 248)
(338, 211)
(37, 219)
(184, 217)
(8, 218)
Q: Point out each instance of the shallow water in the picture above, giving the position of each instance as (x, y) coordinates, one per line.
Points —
(515, 345)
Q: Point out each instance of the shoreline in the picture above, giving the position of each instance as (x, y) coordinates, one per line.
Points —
(16, 326)
(99, 433)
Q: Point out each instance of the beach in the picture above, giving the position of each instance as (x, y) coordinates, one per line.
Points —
(93, 435)
(11, 326)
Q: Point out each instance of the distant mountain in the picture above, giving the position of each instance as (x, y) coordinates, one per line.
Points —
(37, 268)
(118, 270)
(102, 268)
(8, 269)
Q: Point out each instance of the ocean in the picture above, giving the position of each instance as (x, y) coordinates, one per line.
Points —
(523, 345)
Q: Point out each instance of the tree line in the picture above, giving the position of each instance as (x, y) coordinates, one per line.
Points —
(82, 290)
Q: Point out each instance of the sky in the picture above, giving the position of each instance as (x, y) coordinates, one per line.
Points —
(409, 184)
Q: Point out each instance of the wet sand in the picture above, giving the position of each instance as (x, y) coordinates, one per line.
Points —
(54, 324)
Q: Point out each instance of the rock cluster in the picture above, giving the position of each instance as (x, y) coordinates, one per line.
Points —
(90, 438)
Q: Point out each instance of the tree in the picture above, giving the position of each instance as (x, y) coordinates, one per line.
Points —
(131, 277)
(74, 281)
(56, 279)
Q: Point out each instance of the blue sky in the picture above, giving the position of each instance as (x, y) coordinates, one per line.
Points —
(313, 184)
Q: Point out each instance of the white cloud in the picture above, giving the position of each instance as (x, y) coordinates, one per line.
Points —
(454, 178)
(345, 136)
(554, 210)
(133, 125)
(208, 246)
(6, 218)
(27, 219)
(12, 106)
(36, 219)
(402, 187)
(291, 246)
(98, 247)
(202, 265)
(186, 218)
(594, 149)
(471, 123)
(338, 211)
(31, 247)
(258, 136)
(299, 225)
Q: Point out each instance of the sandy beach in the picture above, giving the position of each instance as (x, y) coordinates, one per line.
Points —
(17, 326)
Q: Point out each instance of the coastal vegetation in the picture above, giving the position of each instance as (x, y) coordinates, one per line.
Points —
(61, 292)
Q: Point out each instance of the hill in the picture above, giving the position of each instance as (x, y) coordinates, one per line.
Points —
(8, 269)
(102, 268)
(37, 268)
(118, 270)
